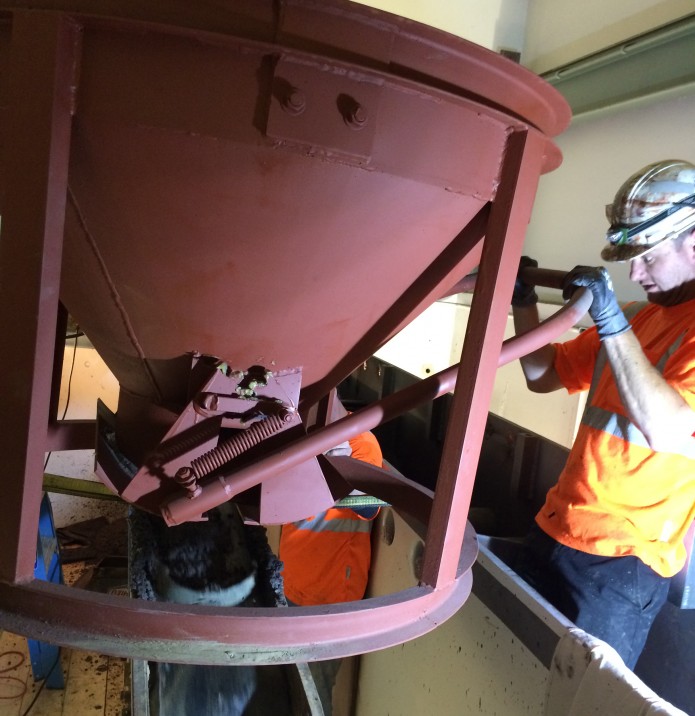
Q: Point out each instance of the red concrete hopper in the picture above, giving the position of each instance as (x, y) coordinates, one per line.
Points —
(268, 182)
(271, 183)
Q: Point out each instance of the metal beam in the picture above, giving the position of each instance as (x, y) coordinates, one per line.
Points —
(506, 230)
(44, 51)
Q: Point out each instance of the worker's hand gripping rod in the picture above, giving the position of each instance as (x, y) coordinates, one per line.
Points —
(549, 329)
(225, 486)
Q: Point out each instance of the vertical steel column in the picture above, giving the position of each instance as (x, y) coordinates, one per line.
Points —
(509, 217)
(43, 55)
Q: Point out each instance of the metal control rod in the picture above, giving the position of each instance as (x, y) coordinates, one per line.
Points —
(549, 329)
(226, 485)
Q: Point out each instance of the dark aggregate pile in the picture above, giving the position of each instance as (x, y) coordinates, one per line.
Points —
(218, 552)
(198, 555)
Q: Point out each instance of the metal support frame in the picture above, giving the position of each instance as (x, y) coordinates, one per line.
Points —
(43, 55)
(160, 631)
(45, 52)
(504, 239)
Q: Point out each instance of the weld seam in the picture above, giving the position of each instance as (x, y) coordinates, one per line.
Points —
(114, 294)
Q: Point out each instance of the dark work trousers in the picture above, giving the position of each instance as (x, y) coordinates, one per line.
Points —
(615, 599)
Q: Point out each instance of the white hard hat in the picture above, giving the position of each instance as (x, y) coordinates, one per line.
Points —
(655, 204)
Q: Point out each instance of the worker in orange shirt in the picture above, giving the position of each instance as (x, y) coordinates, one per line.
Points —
(611, 533)
(327, 557)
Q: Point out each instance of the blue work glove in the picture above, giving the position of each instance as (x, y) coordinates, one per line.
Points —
(604, 311)
(524, 293)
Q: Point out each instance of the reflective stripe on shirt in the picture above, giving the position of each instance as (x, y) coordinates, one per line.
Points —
(620, 427)
(321, 524)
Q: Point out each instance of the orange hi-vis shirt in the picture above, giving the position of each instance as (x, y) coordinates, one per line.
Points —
(327, 557)
(616, 496)
(366, 447)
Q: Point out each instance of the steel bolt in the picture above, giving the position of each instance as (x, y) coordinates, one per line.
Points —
(196, 492)
(294, 103)
(357, 117)
(210, 402)
(187, 478)
(286, 415)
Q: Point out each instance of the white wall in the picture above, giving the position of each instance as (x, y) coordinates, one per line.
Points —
(560, 31)
(568, 224)
(81, 385)
(495, 24)
(602, 149)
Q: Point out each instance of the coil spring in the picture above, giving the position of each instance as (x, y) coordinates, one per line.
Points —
(186, 441)
(234, 446)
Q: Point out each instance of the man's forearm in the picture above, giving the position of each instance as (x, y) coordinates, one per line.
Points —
(658, 410)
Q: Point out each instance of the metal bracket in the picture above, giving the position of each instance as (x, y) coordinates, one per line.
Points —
(324, 108)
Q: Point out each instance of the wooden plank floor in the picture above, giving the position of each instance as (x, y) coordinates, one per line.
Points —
(94, 684)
